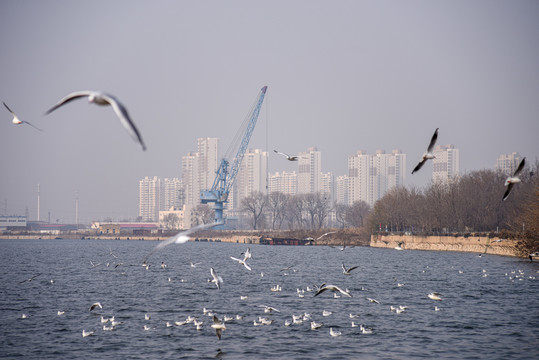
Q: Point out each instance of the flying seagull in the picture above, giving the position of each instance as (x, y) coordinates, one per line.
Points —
(288, 157)
(346, 271)
(181, 237)
(96, 305)
(428, 154)
(219, 326)
(435, 296)
(243, 262)
(101, 98)
(216, 278)
(512, 180)
(16, 120)
(333, 288)
(320, 237)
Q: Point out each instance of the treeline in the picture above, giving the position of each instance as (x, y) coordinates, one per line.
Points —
(470, 203)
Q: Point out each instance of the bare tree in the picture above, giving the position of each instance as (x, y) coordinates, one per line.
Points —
(171, 221)
(255, 205)
(356, 213)
(340, 214)
(202, 214)
(277, 202)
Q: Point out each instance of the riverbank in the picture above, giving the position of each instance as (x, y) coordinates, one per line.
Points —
(475, 244)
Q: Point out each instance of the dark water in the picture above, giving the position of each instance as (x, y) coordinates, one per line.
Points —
(490, 307)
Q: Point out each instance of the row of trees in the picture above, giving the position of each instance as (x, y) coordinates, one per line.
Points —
(305, 211)
(471, 203)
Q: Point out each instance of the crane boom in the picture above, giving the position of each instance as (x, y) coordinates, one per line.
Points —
(224, 179)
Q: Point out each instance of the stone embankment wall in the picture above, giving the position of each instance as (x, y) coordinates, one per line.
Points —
(476, 244)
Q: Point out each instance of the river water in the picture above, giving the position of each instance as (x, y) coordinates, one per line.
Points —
(490, 306)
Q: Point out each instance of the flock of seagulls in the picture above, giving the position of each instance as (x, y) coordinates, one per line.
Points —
(98, 98)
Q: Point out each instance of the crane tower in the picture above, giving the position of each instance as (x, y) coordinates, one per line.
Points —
(224, 178)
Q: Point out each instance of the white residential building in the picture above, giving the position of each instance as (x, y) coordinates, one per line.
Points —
(285, 182)
(150, 198)
(445, 165)
(309, 169)
(252, 176)
(370, 176)
(508, 163)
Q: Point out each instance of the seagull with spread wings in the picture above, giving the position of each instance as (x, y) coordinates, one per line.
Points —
(512, 180)
(104, 99)
(428, 154)
(16, 120)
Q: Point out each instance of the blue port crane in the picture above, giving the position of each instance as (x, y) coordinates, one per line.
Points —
(224, 178)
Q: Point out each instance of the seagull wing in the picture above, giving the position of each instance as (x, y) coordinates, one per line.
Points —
(509, 187)
(321, 290)
(433, 140)
(419, 166)
(352, 268)
(282, 153)
(520, 166)
(174, 238)
(11, 111)
(32, 125)
(68, 98)
(122, 114)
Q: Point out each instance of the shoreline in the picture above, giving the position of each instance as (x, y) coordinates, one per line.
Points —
(470, 244)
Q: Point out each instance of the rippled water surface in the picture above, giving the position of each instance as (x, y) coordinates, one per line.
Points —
(490, 306)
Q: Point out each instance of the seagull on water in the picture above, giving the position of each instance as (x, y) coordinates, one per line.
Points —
(288, 157)
(346, 271)
(87, 333)
(218, 326)
(315, 325)
(268, 309)
(181, 237)
(216, 278)
(512, 180)
(101, 98)
(428, 154)
(16, 120)
(333, 288)
(334, 333)
(435, 296)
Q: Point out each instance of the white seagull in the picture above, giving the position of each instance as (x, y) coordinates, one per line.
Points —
(180, 238)
(16, 120)
(346, 271)
(95, 305)
(428, 154)
(87, 333)
(101, 98)
(288, 157)
(334, 333)
(435, 296)
(320, 237)
(512, 180)
(268, 309)
(218, 326)
(333, 288)
(216, 278)
(243, 262)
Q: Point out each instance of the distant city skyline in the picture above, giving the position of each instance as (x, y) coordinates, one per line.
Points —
(340, 76)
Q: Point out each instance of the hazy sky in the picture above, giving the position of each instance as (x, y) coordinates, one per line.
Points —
(341, 76)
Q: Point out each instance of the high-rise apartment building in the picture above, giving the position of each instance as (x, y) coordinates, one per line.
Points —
(370, 176)
(341, 189)
(445, 165)
(252, 176)
(309, 169)
(173, 195)
(285, 182)
(150, 198)
(508, 163)
(199, 168)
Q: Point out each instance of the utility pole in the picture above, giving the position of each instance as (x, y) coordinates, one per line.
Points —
(38, 196)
